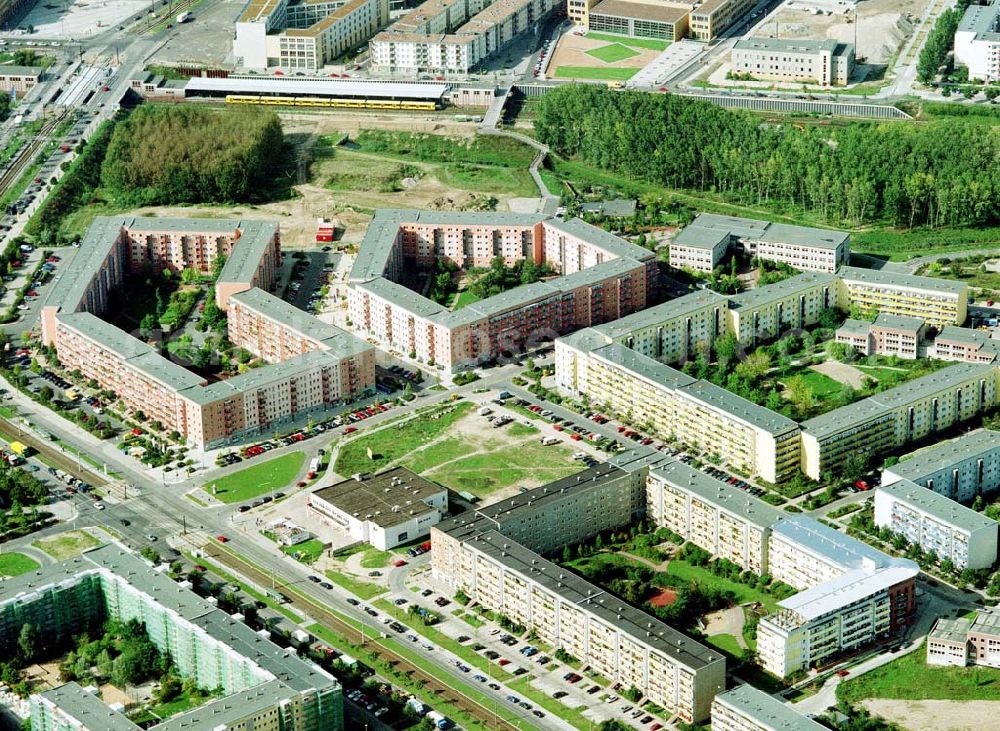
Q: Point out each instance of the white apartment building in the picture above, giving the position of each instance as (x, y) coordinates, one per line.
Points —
(704, 243)
(385, 510)
(959, 469)
(853, 595)
(718, 517)
(745, 708)
(936, 523)
(826, 62)
(977, 41)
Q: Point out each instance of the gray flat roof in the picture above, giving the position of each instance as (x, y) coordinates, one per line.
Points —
(701, 237)
(642, 366)
(881, 277)
(917, 466)
(966, 335)
(846, 417)
(818, 238)
(376, 246)
(258, 377)
(640, 626)
(101, 237)
(168, 223)
(741, 228)
(86, 708)
(739, 407)
(909, 325)
(20, 70)
(829, 544)
(951, 630)
(855, 327)
(221, 713)
(790, 45)
(938, 506)
(599, 237)
(386, 499)
(766, 710)
(397, 294)
(339, 342)
(654, 316)
(248, 251)
(655, 11)
(848, 588)
(718, 493)
(981, 20)
(132, 351)
(316, 87)
(586, 339)
(779, 290)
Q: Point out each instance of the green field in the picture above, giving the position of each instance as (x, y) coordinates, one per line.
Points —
(822, 386)
(15, 564)
(726, 643)
(592, 72)
(254, 481)
(649, 43)
(67, 545)
(465, 297)
(308, 551)
(364, 589)
(375, 559)
(703, 577)
(911, 678)
(482, 474)
(612, 53)
(521, 430)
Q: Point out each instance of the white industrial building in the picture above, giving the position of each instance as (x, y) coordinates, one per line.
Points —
(385, 510)
(937, 523)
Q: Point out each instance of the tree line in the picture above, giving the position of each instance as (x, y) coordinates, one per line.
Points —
(163, 155)
(929, 174)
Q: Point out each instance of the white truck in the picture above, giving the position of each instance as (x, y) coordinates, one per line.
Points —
(182, 18)
(440, 720)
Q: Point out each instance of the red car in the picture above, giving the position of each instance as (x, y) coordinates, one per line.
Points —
(399, 563)
(862, 485)
(221, 539)
(575, 437)
(350, 429)
(621, 428)
(842, 673)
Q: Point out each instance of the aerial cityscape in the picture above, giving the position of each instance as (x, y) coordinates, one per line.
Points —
(499, 365)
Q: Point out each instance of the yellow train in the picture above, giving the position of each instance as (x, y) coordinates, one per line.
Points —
(312, 101)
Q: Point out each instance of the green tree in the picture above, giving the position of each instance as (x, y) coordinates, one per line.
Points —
(28, 642)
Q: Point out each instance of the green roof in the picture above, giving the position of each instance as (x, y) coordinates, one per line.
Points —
(938, 506)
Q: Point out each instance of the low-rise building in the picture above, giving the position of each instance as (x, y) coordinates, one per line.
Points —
(937, 524)
(961, 642)
(896, 335)
(385, 510)
(19, 80)
(977, 41)
(960, 468)
(964, 344)
(938, 302)
(745, 708)
(827, 62)
(857, 334)
(635, 18)
(852, 596)
(718, 517)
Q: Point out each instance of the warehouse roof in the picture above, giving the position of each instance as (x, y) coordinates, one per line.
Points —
(918, 466)
(386, 499)
(718, 493)
(285, 86)
(611, 611)
(768, 713)
(883, 278)
(937, 506)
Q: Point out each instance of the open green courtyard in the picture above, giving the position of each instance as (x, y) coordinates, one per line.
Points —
(257, 480)
(612, 53)
(15, 564)
(911, 678)
(596, 73)
(67, 545)
(703, 577)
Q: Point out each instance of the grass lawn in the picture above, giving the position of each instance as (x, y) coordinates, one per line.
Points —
(15, 564)
(7, 412)
(256, 480)
(375, 559)
(703, 577)
(364, 589)
(465, 297)
(391, 443)
(482, 474)
(878, 372)
(521, 430)
(67, 545)
(487, 179)
(308, 551)
(555, 707)
(471, 620)
(591, 72)
(822, 386)
(443, 451)
(612, 53)
(650, 43)
(727, 643)
(911, 678)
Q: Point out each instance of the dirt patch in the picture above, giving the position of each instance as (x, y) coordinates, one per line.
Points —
(663, 598)
(937, 715)
(841, 373)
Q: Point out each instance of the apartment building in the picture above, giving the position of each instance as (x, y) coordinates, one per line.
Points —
(304, 36)
(888, 335)
(718, 517)
(745, 708)
(265, 686)
(601, 278)
(852, 595)
(19, 80)
(959, 469)
(939, 302)
(765, 313)
(825, 62)
(452, 37)
(622, 643)
(937, 523)
(896, 417)
(704, 243)
(961, 642)
(713, 17)
(977, 41)
(313, 365)
(964, 344)
(386, 510)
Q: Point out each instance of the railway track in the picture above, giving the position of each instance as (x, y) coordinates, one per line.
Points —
(176, 9)
(51, 454)
(27, 154)
(427, 679)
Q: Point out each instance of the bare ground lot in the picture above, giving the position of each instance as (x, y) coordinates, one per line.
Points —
(571, 50)
(841, 372)
(937, 715)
